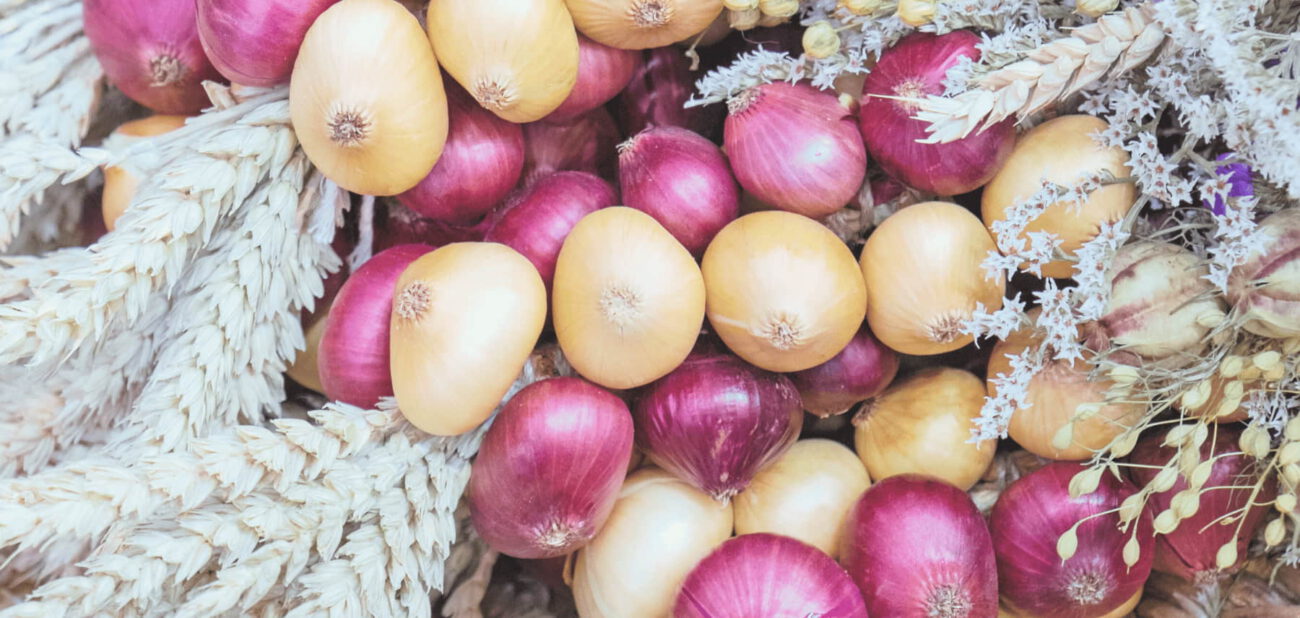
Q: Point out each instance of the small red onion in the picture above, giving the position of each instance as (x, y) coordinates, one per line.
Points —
(913, 68)
(537, 220)
(550, 468)
(1190, 551)
(715, 421)
(918, 546)
(1029, 520)
(480, 164)
(768, 575)
(859, 372)
(353, 356)
(657, 93)
(150, 50)
(401, 226)
(795, 147)
(584, 144)
(680, 179)
(254, 42)
(603, 71)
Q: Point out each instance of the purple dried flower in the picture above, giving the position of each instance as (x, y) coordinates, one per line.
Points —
(1238, 180)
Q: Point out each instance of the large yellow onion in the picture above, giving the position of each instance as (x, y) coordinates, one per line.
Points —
(465, 318)
(517, 58)
(660, 528)
(628, 299)
(642, 24)
(806, 494)
(1061, 150)
(923, 274)
(366, 97)
(1265, 288)
(122, 180)
(783, 291)
(923, 425)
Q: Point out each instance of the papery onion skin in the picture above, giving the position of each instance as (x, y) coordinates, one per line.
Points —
(537, 220)
(715, 421)
(923, 275)
(680, 179)
(1190, 550)
(603, 72)
(642, 24)
(254, 42)
(922, 425)
(1061, 150)
(465, 318)
(550, 467)
(795, 147)
(859, 372)
(806, 494)
(917, 546)
(1030, 517)
(660, 528)
(366, 97)
(150, 50)
(657, 94)
(1265, 288)
(585, 144)
(627, 299)
(354, 352)
(768, 575)
(783, 292)
(480, 163)
(121, 183)
(913, 68)
(400, 226)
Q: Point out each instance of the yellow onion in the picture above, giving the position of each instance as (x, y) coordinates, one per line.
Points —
(642, 24)
(922, 425)
(806, 494)
(465, 318)
(923, 274)
(1266, 287)
(628, 299)
(121, 181)
(1061, 150)
(366, 97)
(660, 528)
(518, 58)
(783, 292)
(1055, 394)
(303, 370)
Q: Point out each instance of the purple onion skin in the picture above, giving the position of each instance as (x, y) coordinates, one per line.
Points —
(400, 226)
(1029, 518)
(480, 163)
(682, 180)
(537, 220)
(353, 360)
(1190, 550)
(715, 421)
(255, 42)
(768, 575)
(585, 144)
(915, 67)
(550, 468)
(859, 372)
(603, 72)
(657, 93)
(917, 546)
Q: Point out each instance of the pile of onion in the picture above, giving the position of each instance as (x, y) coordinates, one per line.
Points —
(783, 291)
(912, 69)
(923, 275)
(254, 43)
(1265, 288)
(584, 144)
(642, 24)
(922, 425)
(859, 372)
(121, 181)
(715, 421)
(1057, 556)
(603, 72)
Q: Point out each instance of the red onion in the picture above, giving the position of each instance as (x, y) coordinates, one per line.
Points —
(353, 357)
(480, 164)
(768, 575)
(401, 226)
(1029, 520)
(150, 50)
(795, 147)
(1190, 551)
(584, 144)
(913, 68)
(715, 421)
(254, 42)
(602, 72)
(917, 546)
(859, 372)
(680, 179)
(657, 93)
(550, 468)
(537, 220)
